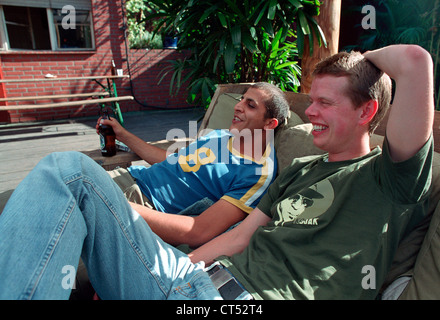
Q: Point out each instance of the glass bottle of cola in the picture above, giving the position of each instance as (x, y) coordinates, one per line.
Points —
(107, 138)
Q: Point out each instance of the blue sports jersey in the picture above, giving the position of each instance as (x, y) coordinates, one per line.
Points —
(207, 168)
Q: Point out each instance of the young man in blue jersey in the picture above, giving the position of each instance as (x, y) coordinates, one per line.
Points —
(193, 195)
(194, 185)
(225, 172)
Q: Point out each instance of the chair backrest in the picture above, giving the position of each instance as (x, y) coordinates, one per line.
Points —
(221, 109)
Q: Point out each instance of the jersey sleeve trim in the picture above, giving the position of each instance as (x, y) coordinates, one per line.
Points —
(239, 204)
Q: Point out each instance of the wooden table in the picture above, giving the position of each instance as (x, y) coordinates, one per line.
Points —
(120, 159)
(124, 159)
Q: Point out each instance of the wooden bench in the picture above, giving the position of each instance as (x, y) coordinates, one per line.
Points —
(108, 95)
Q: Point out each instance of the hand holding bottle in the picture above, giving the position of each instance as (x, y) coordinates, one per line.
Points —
(107, 136)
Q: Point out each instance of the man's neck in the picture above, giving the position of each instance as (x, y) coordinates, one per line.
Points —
(361, 149)
(252, 145)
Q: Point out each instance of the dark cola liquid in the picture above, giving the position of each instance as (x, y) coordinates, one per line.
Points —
(108, 140)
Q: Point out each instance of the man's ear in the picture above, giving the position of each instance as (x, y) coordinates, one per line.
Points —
(271, 124)
(368, 111)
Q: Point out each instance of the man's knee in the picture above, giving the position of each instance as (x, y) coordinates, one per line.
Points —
(51, 162)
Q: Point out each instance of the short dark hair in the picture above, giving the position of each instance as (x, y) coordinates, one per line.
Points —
(366, 81)
(276, 103)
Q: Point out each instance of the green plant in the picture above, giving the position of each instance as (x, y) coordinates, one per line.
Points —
(139, 35)
(236, 41)
(282, 66)
(410, 22)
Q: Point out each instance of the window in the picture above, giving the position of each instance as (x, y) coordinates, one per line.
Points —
(38, 28)
(27, 28)
(72, 34)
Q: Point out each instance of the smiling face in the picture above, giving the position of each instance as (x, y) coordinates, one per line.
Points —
(336, 121)
(250, 112)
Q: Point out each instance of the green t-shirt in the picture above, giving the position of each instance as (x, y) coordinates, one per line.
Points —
(335, 226)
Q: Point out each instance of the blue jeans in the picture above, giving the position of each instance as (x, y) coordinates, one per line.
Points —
(68, 207)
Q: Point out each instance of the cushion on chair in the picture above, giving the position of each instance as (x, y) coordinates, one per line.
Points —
(294, 142)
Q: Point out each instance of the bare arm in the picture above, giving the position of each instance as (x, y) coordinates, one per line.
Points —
(234, 241)
(411, 116)
(146, 151)
(194, 231)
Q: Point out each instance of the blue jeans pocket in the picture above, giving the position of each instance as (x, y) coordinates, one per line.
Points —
(200, 287)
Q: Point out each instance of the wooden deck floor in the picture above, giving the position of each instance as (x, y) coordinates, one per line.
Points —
(24, 145)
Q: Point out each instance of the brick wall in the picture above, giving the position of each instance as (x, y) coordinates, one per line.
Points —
(109, 41)
(146, 67)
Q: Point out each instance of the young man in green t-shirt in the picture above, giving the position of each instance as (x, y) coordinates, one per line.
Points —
(327, 219)
(323, 222)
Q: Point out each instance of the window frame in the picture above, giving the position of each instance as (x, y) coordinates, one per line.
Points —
(4, 37)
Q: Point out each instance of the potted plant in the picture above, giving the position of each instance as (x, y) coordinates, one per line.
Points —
(237, 41)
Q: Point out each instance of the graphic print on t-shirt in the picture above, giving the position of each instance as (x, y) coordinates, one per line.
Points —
(193, 161)
(308, 205)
